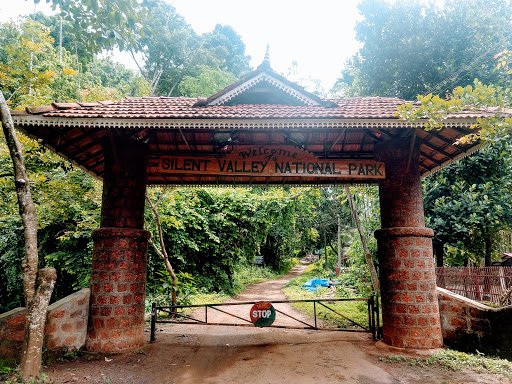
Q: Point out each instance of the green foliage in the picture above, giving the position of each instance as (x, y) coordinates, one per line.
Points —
(354, 310)
(189, 290)
(68, 204)
(215, 232)
(250, 274)
(208, 82)
(470, 201)
(9, 374)
(32, 73)
(416, 47)
(101, 24)
(405, 54)
(7, 366)
(106, 80)
(174, 53)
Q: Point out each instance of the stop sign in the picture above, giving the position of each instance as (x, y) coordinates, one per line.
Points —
(262, 314)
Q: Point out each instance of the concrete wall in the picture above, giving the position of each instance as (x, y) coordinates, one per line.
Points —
(66, 326)
(469, 326)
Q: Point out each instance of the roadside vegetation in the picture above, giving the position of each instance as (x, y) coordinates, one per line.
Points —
(456, 361)
(343, 287)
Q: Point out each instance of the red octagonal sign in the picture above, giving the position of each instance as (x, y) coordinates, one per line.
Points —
(262, 314)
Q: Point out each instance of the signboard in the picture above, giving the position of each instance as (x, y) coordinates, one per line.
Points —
(268, 161)
(262, 314)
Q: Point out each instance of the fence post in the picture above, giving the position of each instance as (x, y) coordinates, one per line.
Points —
(153, 323)
(377, 322)
(371, 322)
(314, 310)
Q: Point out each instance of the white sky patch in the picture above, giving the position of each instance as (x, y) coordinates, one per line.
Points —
(11, 9)
(318, 35)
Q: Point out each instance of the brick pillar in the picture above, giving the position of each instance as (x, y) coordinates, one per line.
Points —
(118, 280)
(410, 310)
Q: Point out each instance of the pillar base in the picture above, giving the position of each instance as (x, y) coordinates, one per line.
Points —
(410, 310)
(118, 283)
(406, 351)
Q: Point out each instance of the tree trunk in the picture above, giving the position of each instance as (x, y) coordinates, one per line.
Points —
(439, 252)
(30, 365)
(367, 254)
(36, 301)
(162, 251)
(26, 205)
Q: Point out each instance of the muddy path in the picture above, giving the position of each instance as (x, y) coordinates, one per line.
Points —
(200, 354)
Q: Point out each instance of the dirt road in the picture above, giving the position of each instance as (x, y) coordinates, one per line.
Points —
(189, 354)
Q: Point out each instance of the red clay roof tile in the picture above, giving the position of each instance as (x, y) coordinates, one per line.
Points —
(187, 108)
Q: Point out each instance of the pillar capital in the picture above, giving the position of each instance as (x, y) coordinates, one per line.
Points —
(386, 233)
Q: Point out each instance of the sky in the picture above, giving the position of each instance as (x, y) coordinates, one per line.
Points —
(317, 35)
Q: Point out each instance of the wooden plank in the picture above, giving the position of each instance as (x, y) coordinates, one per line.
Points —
(270, 162)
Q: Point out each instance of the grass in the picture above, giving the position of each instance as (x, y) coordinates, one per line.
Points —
(354, 310)
(7, 370)
(457, 361)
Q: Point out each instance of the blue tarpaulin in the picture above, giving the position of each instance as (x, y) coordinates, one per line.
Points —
(313, 284)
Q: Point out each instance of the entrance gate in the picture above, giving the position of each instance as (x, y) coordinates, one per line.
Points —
(261, 130)
(240, 315)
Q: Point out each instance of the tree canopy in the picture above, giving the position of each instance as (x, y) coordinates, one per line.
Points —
(417, 47)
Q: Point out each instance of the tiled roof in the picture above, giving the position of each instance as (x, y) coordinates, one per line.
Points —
(261, 109)
(185, 108)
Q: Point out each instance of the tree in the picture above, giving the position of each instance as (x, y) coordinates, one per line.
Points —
(30, 73)
(37, 285)
(67, 199)
(172, 53)
(160, 247)
(367, 255)
(470, 204)
(208, 82)
(413, 47)
(227, 50)
(102, 24)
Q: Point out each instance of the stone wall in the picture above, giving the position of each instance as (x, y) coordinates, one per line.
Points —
(470, 326)
(66, 326)
(12, 332)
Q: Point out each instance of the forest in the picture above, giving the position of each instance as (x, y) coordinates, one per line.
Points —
(212, 235)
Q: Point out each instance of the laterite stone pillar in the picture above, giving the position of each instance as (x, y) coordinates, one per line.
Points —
(410, 310)
(118, 280)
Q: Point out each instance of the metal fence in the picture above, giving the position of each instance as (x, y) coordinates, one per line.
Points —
(477, 283)
(180, 314)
